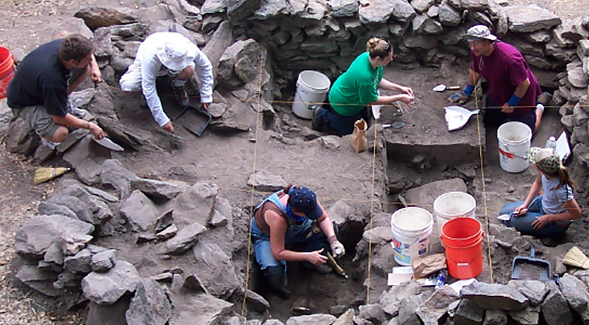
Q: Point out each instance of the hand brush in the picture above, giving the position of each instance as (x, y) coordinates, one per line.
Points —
(575, 257)
(45, 174)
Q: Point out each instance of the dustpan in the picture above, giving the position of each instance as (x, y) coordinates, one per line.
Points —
(457, 117)
(190, 123)
(530, 268)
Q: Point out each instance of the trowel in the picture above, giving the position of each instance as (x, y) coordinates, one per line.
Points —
(442, 88)
(457, 117)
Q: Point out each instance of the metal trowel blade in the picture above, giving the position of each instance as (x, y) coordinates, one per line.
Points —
(439, 88)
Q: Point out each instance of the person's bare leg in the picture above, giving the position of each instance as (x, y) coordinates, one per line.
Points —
(541, 102)
(178, 85)
(59, 135)
(539, 113)
(185, 74)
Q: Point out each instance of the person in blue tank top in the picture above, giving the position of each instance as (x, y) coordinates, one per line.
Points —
(548, 215)
(292, 216)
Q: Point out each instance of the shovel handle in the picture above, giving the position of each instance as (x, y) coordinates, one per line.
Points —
(453, 87)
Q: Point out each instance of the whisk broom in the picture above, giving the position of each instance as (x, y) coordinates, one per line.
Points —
(575, 257)
(44, 174)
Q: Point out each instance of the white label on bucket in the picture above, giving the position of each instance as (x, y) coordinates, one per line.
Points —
(405, 251)
(462, 264)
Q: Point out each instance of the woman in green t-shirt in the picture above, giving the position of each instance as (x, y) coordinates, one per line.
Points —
(354, 90)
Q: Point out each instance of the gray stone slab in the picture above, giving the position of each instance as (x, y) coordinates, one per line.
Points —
(495, 296)
(527, 19)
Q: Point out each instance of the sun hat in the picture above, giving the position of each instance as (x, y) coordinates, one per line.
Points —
(177, 52)
(304, 200)
(479, 32)
(546, 159)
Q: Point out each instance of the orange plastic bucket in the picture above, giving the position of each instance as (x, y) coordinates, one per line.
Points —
(462, 239)
(6, 70)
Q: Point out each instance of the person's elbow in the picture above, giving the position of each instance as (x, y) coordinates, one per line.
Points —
(575, 213)
(277, 255)
(525, 83)
(61, 120)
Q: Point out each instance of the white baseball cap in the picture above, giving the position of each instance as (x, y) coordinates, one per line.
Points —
(479, 32)
(177, 53)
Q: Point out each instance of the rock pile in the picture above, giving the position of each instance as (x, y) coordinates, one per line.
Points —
(60, 258)
(572, 97)
(327, 35)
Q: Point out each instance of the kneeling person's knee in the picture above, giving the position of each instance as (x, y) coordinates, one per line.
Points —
(276, 276)
(186, 73)
(60, 135)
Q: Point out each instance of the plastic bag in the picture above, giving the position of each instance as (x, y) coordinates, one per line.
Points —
(359, 141)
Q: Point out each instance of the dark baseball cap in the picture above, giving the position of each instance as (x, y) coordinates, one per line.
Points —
(304, 200)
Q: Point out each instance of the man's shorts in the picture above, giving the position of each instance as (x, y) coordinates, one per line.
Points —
(39, 120)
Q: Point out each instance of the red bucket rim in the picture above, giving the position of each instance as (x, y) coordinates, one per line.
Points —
(470, 245)
(461, 219)
(4, 54)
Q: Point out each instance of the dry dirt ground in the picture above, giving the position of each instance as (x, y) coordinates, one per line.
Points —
(25, 24)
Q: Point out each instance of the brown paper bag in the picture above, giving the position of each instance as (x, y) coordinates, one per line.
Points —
(359, 141)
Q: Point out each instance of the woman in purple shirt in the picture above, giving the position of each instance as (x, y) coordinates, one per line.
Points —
(513, 88)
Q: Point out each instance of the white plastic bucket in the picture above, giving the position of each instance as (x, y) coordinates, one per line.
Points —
(312, 87)
(454, 205)
(514, 145)
(412, 228)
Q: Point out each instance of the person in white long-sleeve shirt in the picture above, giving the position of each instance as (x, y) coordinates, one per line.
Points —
(168, 54)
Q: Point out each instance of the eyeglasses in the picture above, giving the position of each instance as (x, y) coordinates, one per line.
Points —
(389, 46)
(474, 43)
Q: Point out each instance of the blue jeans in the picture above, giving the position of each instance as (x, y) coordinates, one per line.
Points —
(335, 123)
(294, 234)
(494, 116)
(523, 223)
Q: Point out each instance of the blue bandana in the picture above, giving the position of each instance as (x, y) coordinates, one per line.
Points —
(297, 219)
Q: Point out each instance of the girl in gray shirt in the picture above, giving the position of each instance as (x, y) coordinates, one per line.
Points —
(549, 214)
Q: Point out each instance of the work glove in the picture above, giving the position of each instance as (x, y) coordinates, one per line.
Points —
(337, 249)
(459, 98)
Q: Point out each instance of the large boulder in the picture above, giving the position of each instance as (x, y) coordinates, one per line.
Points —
(106, 288)
(376, 12)
(527, 19)
(210, 262)
(36, 235)
(195, 205)
(150, 305)
(96, 17)
(116, 175)
(239, 64)
(140, 211)
(20, 137)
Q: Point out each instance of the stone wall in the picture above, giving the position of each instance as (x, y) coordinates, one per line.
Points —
(328, 35)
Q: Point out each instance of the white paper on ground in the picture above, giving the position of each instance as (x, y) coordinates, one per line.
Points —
(376, 111)
(376, 108)
(562, 147)
(402, 274)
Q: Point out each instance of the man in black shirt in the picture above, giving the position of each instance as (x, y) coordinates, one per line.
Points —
(44, 79)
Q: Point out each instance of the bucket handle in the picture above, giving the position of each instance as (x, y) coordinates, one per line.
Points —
(510, 155)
